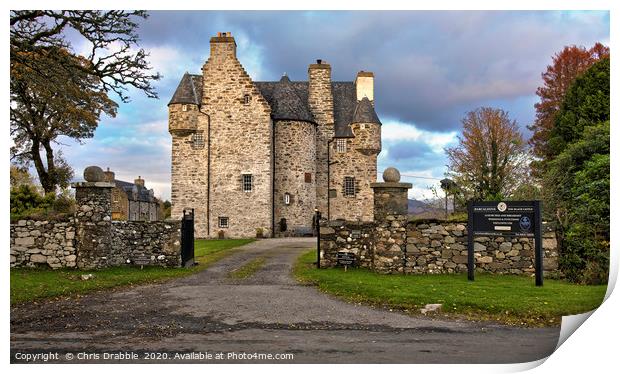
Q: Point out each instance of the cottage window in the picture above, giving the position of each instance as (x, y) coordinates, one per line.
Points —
(222, 222)
(198, 140)
(247, 182)
(349, 186)
(246, 99)
(341, 145)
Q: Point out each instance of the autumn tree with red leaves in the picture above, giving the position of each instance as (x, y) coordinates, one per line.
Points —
(567, 65)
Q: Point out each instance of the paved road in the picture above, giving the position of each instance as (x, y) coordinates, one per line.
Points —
(266, 313)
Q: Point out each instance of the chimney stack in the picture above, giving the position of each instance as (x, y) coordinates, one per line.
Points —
(108, 176)
(364, 85)
(223, 45)
(139, 181)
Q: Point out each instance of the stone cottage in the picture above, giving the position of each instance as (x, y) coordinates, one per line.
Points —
(261, 156)
(133, 201)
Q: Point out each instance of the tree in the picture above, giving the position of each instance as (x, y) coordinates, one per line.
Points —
(490, 158)
(55, 92)
(586, 102)
(566, 66)
(20, 177)
(577, 188)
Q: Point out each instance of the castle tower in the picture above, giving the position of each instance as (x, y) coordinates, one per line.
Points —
(295, 161)
(354, 157)
(321, 103)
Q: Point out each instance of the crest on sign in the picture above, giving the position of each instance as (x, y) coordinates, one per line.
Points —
(502, 206)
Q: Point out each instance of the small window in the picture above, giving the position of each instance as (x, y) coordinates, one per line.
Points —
(198, 140)
(308, 177)
(247, 182)
(332, 193)
(362, 126)
(222, 222)
(287, 198)
(349, 186)
(341, 145)
(246, 99)
(184, 107)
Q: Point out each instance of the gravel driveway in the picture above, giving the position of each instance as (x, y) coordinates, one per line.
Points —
(211, 318)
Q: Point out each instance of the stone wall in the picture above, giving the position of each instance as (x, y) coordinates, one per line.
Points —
(431, 247)
(90, 239)
(43, 243)
(295, 155)
(158, 242)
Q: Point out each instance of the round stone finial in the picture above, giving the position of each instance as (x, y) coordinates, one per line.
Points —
(94, 174)
(391, 175)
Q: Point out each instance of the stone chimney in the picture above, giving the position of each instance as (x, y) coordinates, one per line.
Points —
(109, 176)
(364, 85)
(223, 45)
(321, 104)
(139, 181)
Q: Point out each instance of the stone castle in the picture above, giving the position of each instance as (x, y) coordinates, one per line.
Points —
(259, 157)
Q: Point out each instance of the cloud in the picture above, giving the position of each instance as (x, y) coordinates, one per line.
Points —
(431, 67)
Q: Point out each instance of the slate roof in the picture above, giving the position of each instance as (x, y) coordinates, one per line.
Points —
(289, 101)
(143, 192)
(365, 112)
(189, 90)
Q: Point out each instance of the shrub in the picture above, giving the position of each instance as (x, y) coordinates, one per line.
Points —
(28, 203)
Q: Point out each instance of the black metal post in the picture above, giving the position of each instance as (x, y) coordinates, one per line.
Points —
(318, 239)
(470, 240)
(538, 252)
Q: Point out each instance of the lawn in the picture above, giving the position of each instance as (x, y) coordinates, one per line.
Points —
(34, 284)
(506, 298)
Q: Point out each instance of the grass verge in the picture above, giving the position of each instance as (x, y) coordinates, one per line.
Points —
(508, 299)
(34, 284)
(248, 269)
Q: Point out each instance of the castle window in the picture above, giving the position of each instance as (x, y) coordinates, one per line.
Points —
(198, 140)
(184, 108)
(247, 182)
(308, 177)
(341, 145)
(287, 198)
(222, 222)
(349, 186)
(246, 99)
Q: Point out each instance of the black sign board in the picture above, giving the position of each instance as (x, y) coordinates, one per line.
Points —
(345, 258)
(510, 218)
(506, 219)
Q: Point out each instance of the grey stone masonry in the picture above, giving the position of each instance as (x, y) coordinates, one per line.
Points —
(43, 243)
(393, 244)
(93, 222)
(91, 240)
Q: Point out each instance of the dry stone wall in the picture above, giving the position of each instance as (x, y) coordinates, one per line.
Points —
(431, 247)
(43, 243)
(91, 240)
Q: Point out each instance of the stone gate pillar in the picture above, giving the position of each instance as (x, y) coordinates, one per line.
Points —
(390, 215)
(93, 218)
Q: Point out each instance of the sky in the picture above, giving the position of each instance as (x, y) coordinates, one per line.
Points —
(431, 67)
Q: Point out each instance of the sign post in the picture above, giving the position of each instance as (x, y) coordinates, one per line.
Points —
(470, 241)
(317, 216)
(510, 219)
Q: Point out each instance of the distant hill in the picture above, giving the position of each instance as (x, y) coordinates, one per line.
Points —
(421, 209)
